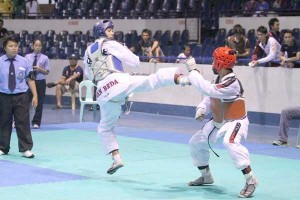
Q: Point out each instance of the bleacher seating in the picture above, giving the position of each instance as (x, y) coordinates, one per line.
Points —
(157, 34)
(296, 33)
(196, 51)
(208, 10)
(25, 50)
(127, 40)
(208, 41)
(185, 37)
(165, 39)
(119, 36)
(220, 37)
(167, 50)
(208, 50)
(54, 53)
(251, 37)
(127, 8)
(66, 52)
(175, 49)
(61, 45)
(176, 37)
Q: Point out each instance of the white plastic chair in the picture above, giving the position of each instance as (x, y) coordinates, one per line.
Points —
(88, 98)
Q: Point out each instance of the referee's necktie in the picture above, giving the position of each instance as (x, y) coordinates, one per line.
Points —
(12, 76)
(34, 63)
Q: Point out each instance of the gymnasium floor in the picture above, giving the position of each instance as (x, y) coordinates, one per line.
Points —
(70, 165)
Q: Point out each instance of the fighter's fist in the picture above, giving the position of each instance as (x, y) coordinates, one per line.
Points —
(190, 64)
(200, 113)
(183, 80)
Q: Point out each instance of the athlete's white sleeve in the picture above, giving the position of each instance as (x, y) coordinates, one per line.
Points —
(213, 90)
(205, 103)
(273, 50)
(86, 66)
(122, 53)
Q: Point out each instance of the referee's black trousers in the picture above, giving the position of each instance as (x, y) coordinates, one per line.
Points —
(15, 106)
(41, 91)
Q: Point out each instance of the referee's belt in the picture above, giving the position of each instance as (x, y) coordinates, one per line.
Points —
(13, 94)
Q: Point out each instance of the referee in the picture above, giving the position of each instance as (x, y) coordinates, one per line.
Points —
(15, 71)
(40, 64)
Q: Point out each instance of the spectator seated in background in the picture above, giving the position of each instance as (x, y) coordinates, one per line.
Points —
(20, 8)
(148, 47)
(184, 55)
(72, 75)
(290, 51)
(266, 50)
(262, 9)
(286, 116)
(3, 33)
(279, 5)
(238, 42)
(250, 8)
(274, 32)
(32, 9)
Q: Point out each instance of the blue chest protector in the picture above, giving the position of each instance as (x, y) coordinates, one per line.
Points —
(101, 62)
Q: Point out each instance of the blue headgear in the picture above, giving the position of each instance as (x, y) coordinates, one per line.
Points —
(100, 27)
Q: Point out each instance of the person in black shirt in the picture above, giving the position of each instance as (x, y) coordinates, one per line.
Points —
(290, 51)
(3, 33)
(72, 75)
(148, 48)
(274, 29)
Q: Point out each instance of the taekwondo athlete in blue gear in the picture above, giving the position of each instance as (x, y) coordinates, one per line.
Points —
(104, 61)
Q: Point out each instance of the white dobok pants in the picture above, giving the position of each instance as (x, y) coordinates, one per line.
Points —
(231, 133)
(113, 91)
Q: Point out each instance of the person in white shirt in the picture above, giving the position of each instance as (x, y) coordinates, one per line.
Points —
(185, 54)
(104, 61)
(32, 7)
(268, 46)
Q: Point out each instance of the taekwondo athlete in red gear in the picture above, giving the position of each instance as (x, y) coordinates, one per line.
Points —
(224, 99)
(104, 61)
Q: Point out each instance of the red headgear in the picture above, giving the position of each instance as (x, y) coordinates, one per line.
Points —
(224, 57)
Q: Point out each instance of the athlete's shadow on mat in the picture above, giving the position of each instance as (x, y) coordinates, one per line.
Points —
(182, 191)
(153, 190)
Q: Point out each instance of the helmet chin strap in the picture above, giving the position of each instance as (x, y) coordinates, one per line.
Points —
(215, 71)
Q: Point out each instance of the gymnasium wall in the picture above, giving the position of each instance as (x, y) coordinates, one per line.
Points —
(267, 90)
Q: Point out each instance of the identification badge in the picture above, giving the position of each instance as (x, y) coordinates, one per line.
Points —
(20, 74)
